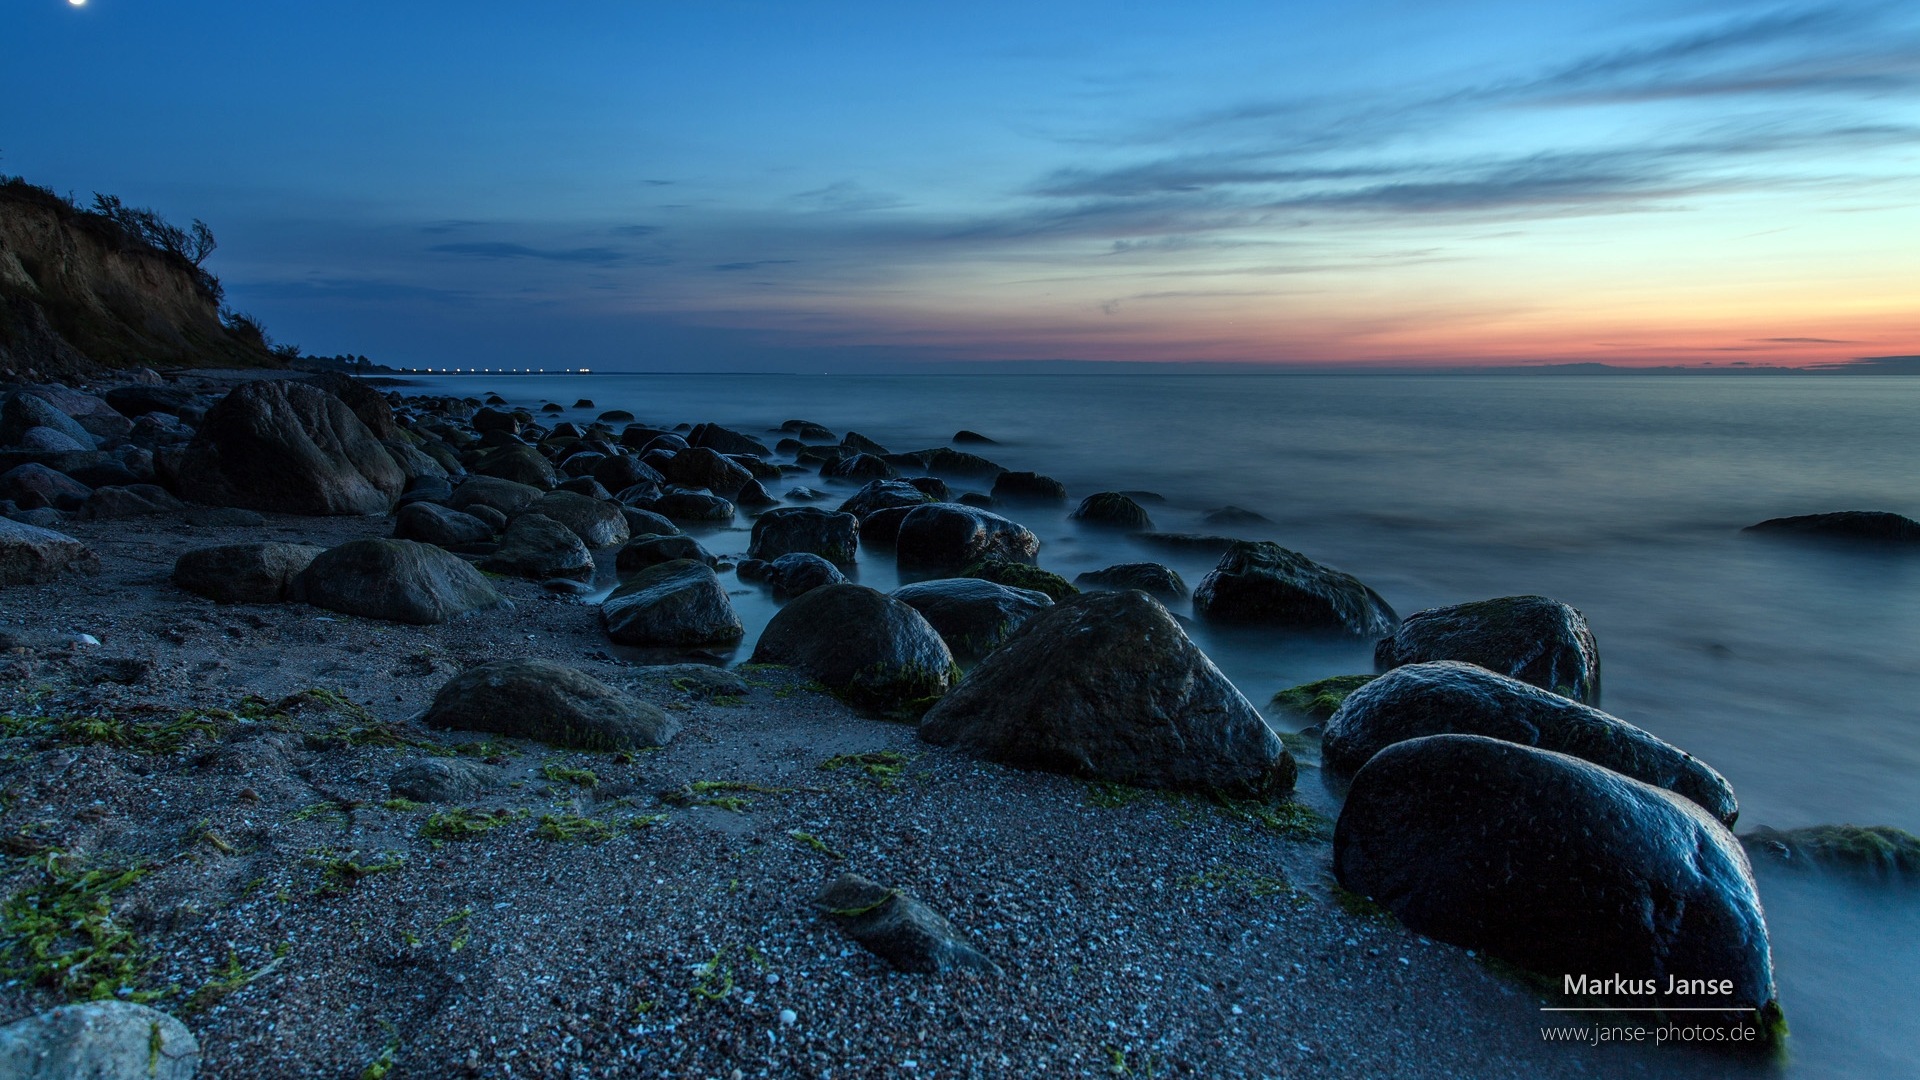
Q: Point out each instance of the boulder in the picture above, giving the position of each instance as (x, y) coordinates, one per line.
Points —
(519, 463)
(619, 472)
(1157, 581)
(414, 463)
(1448, 697)
(396, 580)
(692, 506)
(1871, 852)
(799, 572)
(881, 494)
(367, 403)
(1318, 700)
(644, 551)
(1020, 576)
(1265, 584)
(430, 523)
(859, 467)
(141, 500)
(681, 603)
(536, 546)
(647, 523)
(943, 537)
(832, 536)
(965, 437)
(950, 462)
(972, 616)
(243, 573)
(1028, 487)
(506, 496)
(1112, 510)
(699, 680)
(1234, 515)
(98, 1040)
(33, 485)
(1559, 866)
(715, 437)
(904, 932)
(290, 448)
(21, 412)
(445, 779)
(137, 401)
(874, 651)
(1871, 526)
(550, 703)
(881, 529)
(1530, 638)
(701, 467)
(597, 523)
(30, 555)
(1107, 686)
(46, 440)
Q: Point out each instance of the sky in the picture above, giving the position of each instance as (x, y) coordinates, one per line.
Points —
(884, 186)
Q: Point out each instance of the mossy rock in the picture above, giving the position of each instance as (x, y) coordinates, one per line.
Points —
(1875, 852)
(1321, 698)
(1021, 576)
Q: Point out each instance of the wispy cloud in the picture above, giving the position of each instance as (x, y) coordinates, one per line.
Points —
(592, 255)
(734, 267)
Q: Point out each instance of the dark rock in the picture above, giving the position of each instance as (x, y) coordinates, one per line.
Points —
(1112, 510)
(33, 486)
(807, 429)
(1530, 638)
(1320, 699)
(615, 416)
(1235, 515)
(538, 547)
(445, 779)
(651, 550)
(506, 496)
(100, 419)
(495, 520)
(550, 703)
(681, 602)
(715, 437)
(1157, 581)
(761, 470)
(46, 517)
(243, 573)
(1447, 697)
(753, 569)
(366, 402)
(30, 555)
(860, 444)
(134, 402)
(881, 494)
(622, 471)
(976, 498)
(491, 419)
(1872, 852)
(1028, 487)
(519, 463)
(951, 462)
(1020, 576)
(972, 616)
(1194, 543)
(138, 500)
(21, 412)
(754, 497)
(587, 487)
(943, 537)
(804, 494)
(1557, 865)
(431, 524)
(1266, 584)
(691, 506)
(598, 524)
(98, 1040)
(587, 403)
(881, 529)
(112, 472)
(700, 467)
(873, 650)
(290, 448)
(647, 523)
(899, 929)
(859, 467)
(699, 680)
(1864, 525)
(799, 572)
(832, 536)
(964, 437)
(395, 580)
(935, 487)
(432, 489)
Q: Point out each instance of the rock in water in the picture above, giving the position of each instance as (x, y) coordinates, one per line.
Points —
(646, 550)
(1264, 583)
(1112, 510)
(899, 929)
(1318, 700)
(597, 523)
(551, 703)
(882, 495)
(801, 572)
(834, 537)
(944, 537)
(1107, 686)
(1530, 638)
(1874, 526)
(243, 573)
(1028, 487)
(30, 555)
(1157, 581)
(395, 580)
(100, 1040)
(1017, 575)
(972, 616)
(536, 546)
(873, 650)
(1873, 852)
(1448, 697)
(290, 448)
(1557, 865)
(678, 602)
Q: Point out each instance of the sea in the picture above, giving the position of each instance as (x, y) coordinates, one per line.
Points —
(1791, 667)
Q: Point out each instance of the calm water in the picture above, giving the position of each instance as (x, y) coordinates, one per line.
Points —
(1793, 669)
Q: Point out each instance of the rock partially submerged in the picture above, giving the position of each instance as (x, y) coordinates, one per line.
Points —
(1112, 510)
(550, 703)
(1157, 581)
(1561, 867)
(1107, 686)
(1319, 700)
(1872, 526)
(98, 1040)
(244, 573)
(874, 651)
(1448, 697)
(290, 448)
(395, 580)
(1530, 638)
(1873, 852)
(809, 529)
(1265, 584)
(944, 537)
(899, 929)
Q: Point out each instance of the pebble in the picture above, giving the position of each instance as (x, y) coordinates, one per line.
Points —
(788, 1018)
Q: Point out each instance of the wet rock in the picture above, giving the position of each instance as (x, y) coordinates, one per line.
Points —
(949, 462)
(681, 602)
(644, 551)
(1870, 526)
(1266, 584)
(692, 506)
(943, 537)
(549, 703)
(597, 523)
(445, 779)
(141, 500)
(1112, 510)
(881, 494)
(33, 485)
(495, 520)
(648, 523)
(754, 496)
(622, 471)
(506, 496)
(1318, 700)
(434, 489)
(1530, 638)
(1020, 576)
(48, 440)
(807, 429)
(100, 1040)
(433, 524)
(799, 572)
(30, 555)
(1189, 543)
(876, 652)
(859, 467)
(700, 467)
(243, 573)
(536, 546)
(715, 437)
(288, 447)
(976, 498)
(880, 530)
(1157, 581)
(1871, 852)
(396, 580)
(965, 437)
(1234, 515)
(1028, 487)
(519, 463)
(804, 494)
(1557, 865)
(1107, 686)
(1447, 697)
(832, 536)
(974, 617)
(899, 929)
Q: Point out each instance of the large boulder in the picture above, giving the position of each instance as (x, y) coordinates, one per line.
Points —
(548, 702)
(243, 573)
(691, 506)
(536, 546)
(859, 467)
(1265, 584)
(395, 580)
(598, 523)
(1870, 852)
(644, 551)
(1559, 866)
(98, 1040)
(1451, 697)
(800, 572)
(787, 529)
(30, 555)
(1028, 487)
(1112, 510)
(680, 602)
(519, 463)
(882, 494)
(726, 441)
(367, 402)
(507, 496)
(1107, 686)
(1530, 638)
(1871, 526)
(944, 537)
(33, 485)
(430, 523)
(289, 448)
(871, 649)
(1160, 582)
(701, 467)
(972, 616)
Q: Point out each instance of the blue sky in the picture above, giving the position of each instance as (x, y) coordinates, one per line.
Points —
(775, 186)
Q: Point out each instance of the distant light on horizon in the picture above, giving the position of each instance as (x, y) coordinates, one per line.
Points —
(78, 3)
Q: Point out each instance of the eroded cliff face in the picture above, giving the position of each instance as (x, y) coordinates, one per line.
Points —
(76, 297)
